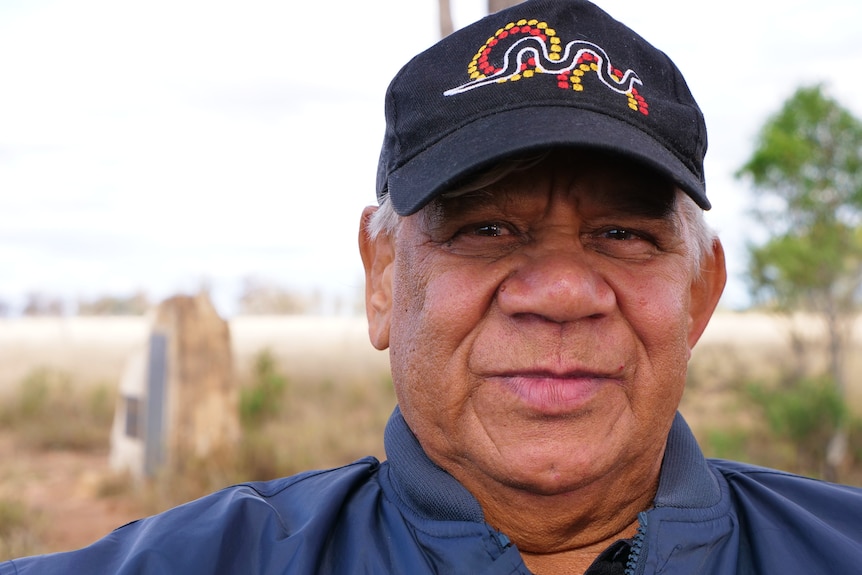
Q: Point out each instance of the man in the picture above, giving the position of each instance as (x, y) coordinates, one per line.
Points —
(539, 270)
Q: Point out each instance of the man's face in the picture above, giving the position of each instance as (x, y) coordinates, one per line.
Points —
(539, 330)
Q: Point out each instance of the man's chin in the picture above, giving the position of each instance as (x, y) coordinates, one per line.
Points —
(550, 477)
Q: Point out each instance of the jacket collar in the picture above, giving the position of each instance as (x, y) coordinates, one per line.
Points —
(686, 481)
(427, 488)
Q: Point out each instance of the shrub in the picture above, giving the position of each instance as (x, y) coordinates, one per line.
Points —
(726, 443)
(262, 398)
(50, 411)
(19, 530)
(806, 413)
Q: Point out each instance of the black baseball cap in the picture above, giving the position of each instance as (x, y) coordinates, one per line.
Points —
(538, 75)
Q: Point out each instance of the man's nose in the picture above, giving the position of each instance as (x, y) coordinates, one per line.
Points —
(556, 284)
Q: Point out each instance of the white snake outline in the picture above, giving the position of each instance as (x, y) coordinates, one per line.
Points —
(504, 74)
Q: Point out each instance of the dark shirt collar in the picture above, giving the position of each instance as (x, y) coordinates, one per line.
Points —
(686, 480)
(430, 490)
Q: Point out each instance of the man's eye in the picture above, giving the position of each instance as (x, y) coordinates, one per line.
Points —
(485, 239)
(622, 234)
(624, 243)
(491, 230)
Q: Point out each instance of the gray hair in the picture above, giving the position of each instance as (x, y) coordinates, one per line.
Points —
(699, 235)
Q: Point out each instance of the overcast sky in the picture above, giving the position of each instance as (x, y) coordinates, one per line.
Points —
(167, 144)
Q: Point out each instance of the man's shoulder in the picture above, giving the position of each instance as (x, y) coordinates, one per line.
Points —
(194, 537)
(769, 500)
(746, 476)
(343, 477)
(790, 523)
(305, 494)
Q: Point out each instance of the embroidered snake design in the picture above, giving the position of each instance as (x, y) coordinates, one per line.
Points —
(538, 51)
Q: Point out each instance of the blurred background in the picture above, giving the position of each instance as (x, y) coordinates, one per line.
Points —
(165, 146)
(225, 150)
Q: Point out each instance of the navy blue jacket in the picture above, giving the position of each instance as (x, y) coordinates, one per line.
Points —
(409, 516)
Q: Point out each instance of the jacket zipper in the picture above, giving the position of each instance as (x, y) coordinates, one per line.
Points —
(502, 540)
(639, 546)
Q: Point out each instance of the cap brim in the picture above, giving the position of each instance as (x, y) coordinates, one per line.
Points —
(486, 141)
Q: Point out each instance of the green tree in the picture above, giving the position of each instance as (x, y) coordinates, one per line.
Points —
(806, 172)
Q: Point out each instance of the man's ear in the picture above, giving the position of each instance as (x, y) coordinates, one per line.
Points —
(706, 291)
(378, 256)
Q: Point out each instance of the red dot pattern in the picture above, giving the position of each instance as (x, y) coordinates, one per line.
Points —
(481, 65)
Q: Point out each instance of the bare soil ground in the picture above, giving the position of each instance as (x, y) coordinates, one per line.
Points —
(60, 489)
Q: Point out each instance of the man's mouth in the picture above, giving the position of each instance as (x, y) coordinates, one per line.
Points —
(554, 393)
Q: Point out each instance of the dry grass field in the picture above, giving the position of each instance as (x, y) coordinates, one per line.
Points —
(57, 491)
